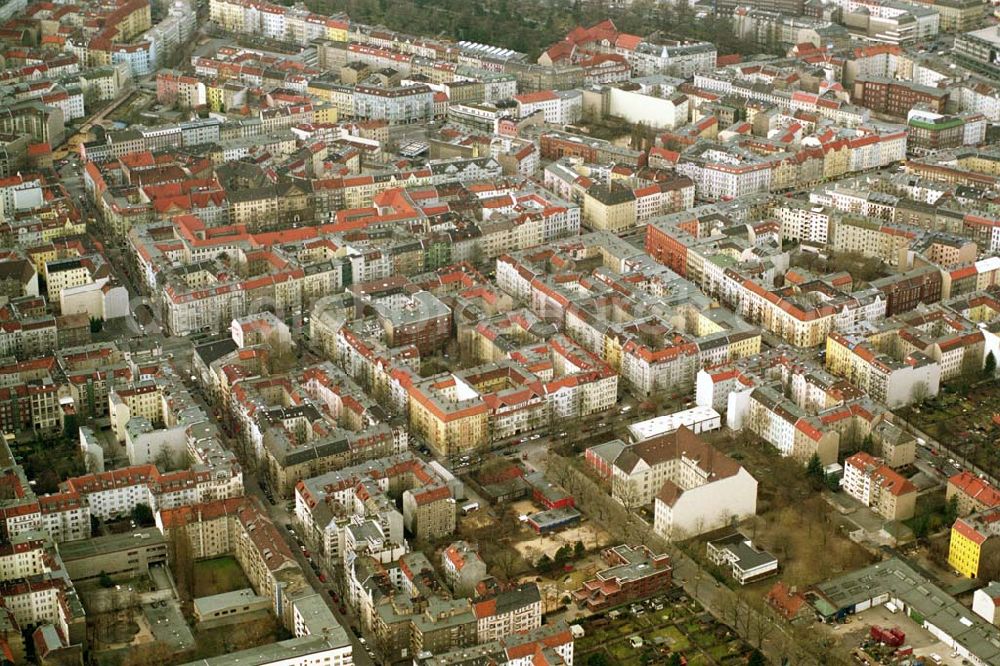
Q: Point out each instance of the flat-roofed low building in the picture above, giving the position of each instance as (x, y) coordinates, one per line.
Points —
(955, 625)
(217, 608)
(551, 520)
(300, 651)
(696, 419)
(128, 554)
(746, 563)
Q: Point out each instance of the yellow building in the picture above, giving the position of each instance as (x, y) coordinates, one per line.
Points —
(215, 96)
(64, 273)
(984, 163)
(336, 30)
(325, 113)
(836, 160)
(142, 400)
(973, 548)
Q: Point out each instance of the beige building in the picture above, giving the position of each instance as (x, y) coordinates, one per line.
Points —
(609, 207)
(879, 487)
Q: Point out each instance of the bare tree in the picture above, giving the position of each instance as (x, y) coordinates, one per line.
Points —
(182, 559)
(281, 356)
(164, 460)
(505, 564)
(989, 563)
(626, 491)
(735, 612)
(760, 624)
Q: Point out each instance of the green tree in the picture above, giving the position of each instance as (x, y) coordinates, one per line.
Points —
(598, 659)
(105, 580)
(142, 514)
(814, 472)
(990, 366)
(544, 563)
(756, 659)
(951, 510)
(71, 428)
(579, 549)
(96, 325)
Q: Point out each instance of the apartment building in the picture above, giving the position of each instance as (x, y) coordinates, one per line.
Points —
(896, 98)
(885, 378)
(787, 427)
(725, 173)
(694, 488)
(325, 504)
(558, 107)
(464, 570)
(610, 207)
(241, 528)
(508, 613)
(400, 105)
(973, 494)
(973, 547)
(904, 291)
(419, 319)
(879, 487)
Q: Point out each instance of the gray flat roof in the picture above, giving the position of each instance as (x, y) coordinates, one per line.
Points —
(895, 579)
(267, 654)
(143, 536)
(217, 602)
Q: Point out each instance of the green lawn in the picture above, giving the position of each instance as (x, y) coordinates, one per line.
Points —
(218, 575)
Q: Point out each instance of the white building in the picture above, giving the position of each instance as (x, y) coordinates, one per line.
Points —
(746, 563)
(559, 107)
(697, 419)
(695, 488)
(666, 112)
(985, 602)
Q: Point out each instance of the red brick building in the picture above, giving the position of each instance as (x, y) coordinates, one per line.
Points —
(896, 98)
(904, 292)
(633, 572)
(555, 146)
(666, 249)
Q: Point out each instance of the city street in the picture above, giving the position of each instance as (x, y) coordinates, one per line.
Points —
(280, 517)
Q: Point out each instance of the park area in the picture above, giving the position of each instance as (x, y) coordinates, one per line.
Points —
(963, 417)
(682, 629)
(218, 575)
(793, 522)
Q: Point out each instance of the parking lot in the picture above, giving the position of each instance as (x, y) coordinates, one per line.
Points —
(851, 635)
